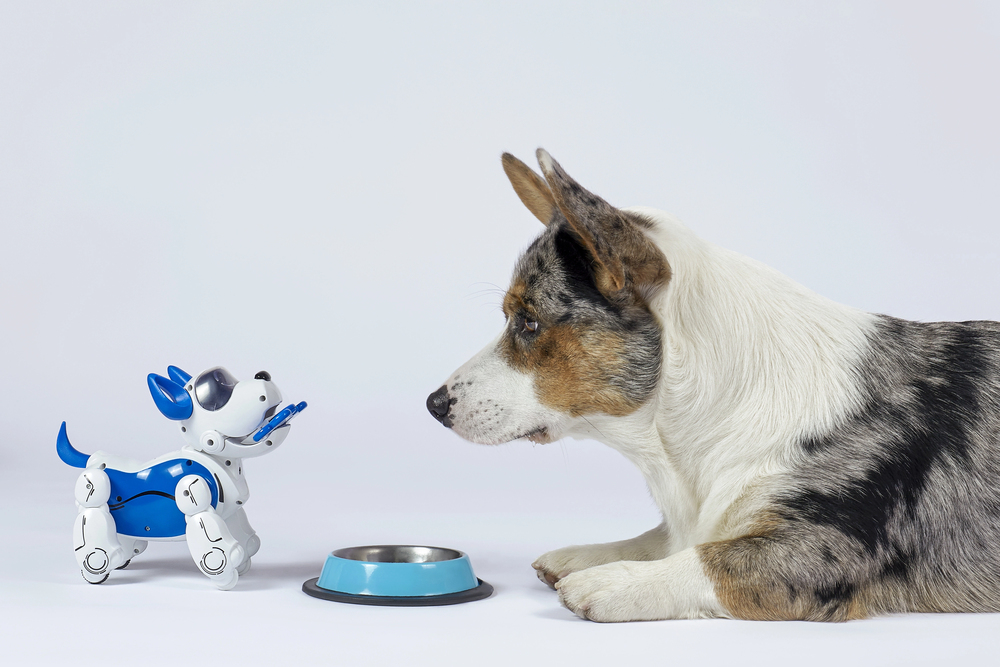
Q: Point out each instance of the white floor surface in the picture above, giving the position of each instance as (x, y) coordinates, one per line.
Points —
(503, 506)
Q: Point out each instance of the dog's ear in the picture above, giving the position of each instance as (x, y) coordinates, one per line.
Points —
(624, 255)
(171, 398)
(178, 375)
(530, 188)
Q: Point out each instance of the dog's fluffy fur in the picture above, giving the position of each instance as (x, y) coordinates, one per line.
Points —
(810, 461)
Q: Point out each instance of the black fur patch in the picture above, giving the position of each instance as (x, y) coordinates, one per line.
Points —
(837, 593)
(578, 270)
(910, 428)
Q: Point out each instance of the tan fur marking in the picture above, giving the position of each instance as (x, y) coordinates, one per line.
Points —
(747, 581)
(752, 584)
(572, 370)
(748, 514)
(644, 262)
(636, 263)
(530, 188)
(513, 300)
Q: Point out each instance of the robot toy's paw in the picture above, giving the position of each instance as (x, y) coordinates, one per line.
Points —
(89, 577)
(97, 564)
(252, 546)
(226, 583)
(96, 545)
(124, 565)
(243, 568)
(227, 580)
(221, 568)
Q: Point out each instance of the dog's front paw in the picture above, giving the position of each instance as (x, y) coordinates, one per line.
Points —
(554, 565)
(611, 593)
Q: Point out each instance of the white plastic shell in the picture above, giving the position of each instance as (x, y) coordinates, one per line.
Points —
(220, 538)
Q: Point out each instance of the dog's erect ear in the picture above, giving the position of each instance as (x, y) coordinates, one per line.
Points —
(530, 188)
(625, 256)
(171, 398)
(178, 375)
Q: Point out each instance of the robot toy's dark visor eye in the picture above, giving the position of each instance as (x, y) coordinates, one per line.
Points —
(214, 387)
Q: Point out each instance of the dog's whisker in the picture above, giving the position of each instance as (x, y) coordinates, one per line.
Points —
(490, 289)
(486, 291)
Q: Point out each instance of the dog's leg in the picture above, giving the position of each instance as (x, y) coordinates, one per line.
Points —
(554, 565)
(95, 535)
(785, 574)
(674, 587)
(212, 546)
(240, 527)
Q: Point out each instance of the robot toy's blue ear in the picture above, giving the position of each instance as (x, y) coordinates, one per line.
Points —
(170, 397)
(177, 375)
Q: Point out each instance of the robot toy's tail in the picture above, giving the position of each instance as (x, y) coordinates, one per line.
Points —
(66, 452)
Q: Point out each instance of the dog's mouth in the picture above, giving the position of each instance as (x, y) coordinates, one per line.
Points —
(539, 436)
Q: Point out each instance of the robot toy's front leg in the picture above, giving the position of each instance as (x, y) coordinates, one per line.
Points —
(212, 546)
(95, 535)
(240, 527)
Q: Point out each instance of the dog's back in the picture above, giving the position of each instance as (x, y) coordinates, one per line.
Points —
(898, 506)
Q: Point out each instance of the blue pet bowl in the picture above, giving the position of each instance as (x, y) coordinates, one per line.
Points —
(397, 575)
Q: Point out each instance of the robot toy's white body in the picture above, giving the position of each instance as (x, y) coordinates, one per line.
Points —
(196, 493)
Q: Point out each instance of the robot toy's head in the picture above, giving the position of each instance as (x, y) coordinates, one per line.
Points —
(219, 414)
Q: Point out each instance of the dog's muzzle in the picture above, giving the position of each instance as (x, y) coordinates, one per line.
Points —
(439, 405)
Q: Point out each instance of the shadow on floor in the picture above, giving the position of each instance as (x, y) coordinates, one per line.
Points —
(262, 576)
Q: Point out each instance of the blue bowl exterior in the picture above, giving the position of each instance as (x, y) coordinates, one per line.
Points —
(357, 577)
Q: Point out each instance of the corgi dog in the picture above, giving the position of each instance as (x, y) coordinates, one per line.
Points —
(809, 460)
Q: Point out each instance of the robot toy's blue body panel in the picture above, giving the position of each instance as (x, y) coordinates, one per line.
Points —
(142, 503)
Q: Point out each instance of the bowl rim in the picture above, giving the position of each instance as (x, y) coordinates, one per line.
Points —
(345, 554)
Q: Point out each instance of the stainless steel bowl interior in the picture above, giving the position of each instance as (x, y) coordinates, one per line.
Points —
(398, 554)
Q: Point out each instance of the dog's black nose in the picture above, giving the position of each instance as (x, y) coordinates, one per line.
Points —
(439, 404)
(263, 375)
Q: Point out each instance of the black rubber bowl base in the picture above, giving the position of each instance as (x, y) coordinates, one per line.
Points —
(480, 592)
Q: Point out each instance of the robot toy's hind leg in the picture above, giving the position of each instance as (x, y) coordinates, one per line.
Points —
(95, 537)
(241, 530)
(132, 548)
(212, 546)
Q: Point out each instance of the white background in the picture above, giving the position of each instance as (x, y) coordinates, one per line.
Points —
(315, 189)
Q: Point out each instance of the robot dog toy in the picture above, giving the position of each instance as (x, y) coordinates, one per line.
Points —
(196, 492)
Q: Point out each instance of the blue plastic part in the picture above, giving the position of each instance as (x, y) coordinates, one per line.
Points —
(142, 503)
(177, 375)
(357, 577)
(170, 397)
(67, 453)
(279, 419)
